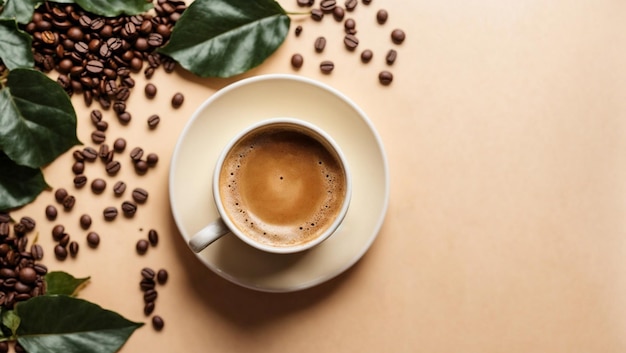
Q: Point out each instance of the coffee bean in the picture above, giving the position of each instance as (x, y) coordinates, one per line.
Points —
(366, 56)
(317, 15)
(297, 60)
(385, 78)
(152, 159)
(113, 167)
(382, 16)
(122, 93)
(98, 137)
(303, 3)
(140, 195)
(177, 100)
(350, 41)
(367, 2)
(129, 208)
(328, 6)
(98, 185)
(68, 202)
(90, 154)
(351, 4)
(109, 213)
(85, 221)
(327, 66)
(93, 239)
(142, 246)
(103, 153)
(136, 154)
(51, 212)
(28, 222)
(73, 248)
(119, 145)
(153, 237)
(157, 323)
(148, 308)
(78, 167)
(153, 121)
(162, 276)
(398, 36)
(147, 284)
(27, 275)
(94, 66)
(150, 295)
(298, 30)
(338, 13)
(350, 25)
(119, 188)
(150, 90)
(60, 252)
(64, 240)
(391, 57)
(169, 65)
(141, 166)
(37, 251)
(320, 44)
(58, 232)
(60, 194)
(124, 118)
(80, 181)
(147, 273)
(149, 72)
(119, 107)
(40, 269)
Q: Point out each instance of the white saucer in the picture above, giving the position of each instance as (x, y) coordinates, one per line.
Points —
(241, 104)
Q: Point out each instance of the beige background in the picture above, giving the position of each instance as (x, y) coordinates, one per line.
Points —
(505, 130)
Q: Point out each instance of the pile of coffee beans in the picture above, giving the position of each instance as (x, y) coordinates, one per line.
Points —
(96, 55)
(21, 275)
(350, 40)
(149, 280)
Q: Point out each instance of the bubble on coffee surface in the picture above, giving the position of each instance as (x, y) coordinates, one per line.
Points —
(282, 187)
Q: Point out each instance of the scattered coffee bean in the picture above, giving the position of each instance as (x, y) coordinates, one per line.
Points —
(102, 126)
(153, 121)
(303, 3)
(298, 30)
(60, 194)
(157, 323)
(73, 246)
(350, 41)
(80, 181)
(367, 2)
(147, 284)
(152, 159)
(95, 116)
(382, 16)
(78, 156)
(327, 66)
(90, 154)
(109, 213)
(51, 212)
(69, 202)
(124, 118)
(320, 44)
(391, 57)
(141, 166)
(27, 275)
(93, 239)
(142, 246)
(328, 6)
(385, 78)
(119, 188)
(350, 26)
(136, 154)
(119, 145)
(37, 251)
(148, 308)
(119, 107)
(85, 221)
(317, 15)
(351, 4)
(103, 153)
(98, 185)
(60, 252)
(113, 167)
(398, 36)
(78, 167)
(147, 273)
(28, 222)
(153, 237)
(129, 208)
(297, 60)
(58, 232)
(64, 240)
(140, 195)
(366, 56)
(150, 90)
(177, 100)
(339, 13)
(162, 276)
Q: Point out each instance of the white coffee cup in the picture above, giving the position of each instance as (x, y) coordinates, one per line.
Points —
(281, 185)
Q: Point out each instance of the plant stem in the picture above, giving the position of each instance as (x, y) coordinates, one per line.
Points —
(298, 13)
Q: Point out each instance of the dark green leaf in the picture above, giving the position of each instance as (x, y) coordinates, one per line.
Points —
(63, 1)
(15, 46)
(70, 325)
(59, 282)
(19, 10)
(112, 8)
(19, 185)
(223, 38)
(38, 122)
(11, 321)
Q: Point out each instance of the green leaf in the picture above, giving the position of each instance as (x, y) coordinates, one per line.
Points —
(70, 325)
(59, 282)
(19, 10)
(112, 8)
(223, 38)
(19, 185)
(15, 46)
(38, 122)
(11, 321)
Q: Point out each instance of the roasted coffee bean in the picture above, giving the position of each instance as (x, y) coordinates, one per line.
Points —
(169, 65)
(303, 3)
(142, 246)
(68, 202)
(153, 237)
(350, 26)
(119, 107)
(350, 41)
(7, 273)
(73, 246)
(27, 275)
(81, 48)
(98, 185)
(339, 13)
(80, 181)
(382, 16)
(317, 15)
(150, 295)
(98, 137)
(58, 232)
(148, 273)
(93, 239)
(119, 188)
(153, 121)
(351, 4)
(37, 251)
(124, 118)
(4, 229)
(51, 212)
(148, 308)
(96, 24)
(367, 2)
(162, 276)
(155, 39)
(64, 240)
(297, 60)
(85, 221)
(149, 72)
(298, 30)
(398, 36)
(90, 154)
(19, 229)
(114, 44)
(327, 66)
(109, 213)
(150, 90)
(49, 38)
(152, 159)
(75, 34)
(140, 195)
(94, 66)
(136, 154)
(141, 166)
(129, 208)
(122, 93)
(60, 252)
(105, 102)
(391, 57)
(113, 167)
(328, 6)
(147, 284)
(60, 194)
(110, 87)
(28, 222)
(95, 116)
(103, 152)
(105, 51)
(21, 287)
(40, 269)
(78, 167)
(119, 145)
(94, 47)
(366, 56)
(385, 78)
(158, 323)
(177, 100)
(320, 44)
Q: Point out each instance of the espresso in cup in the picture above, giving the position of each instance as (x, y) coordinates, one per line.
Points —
(282, 185)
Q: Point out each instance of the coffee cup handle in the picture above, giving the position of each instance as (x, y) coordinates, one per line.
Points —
(208, 235)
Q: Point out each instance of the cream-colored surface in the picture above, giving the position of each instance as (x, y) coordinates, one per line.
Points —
(505, 129)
